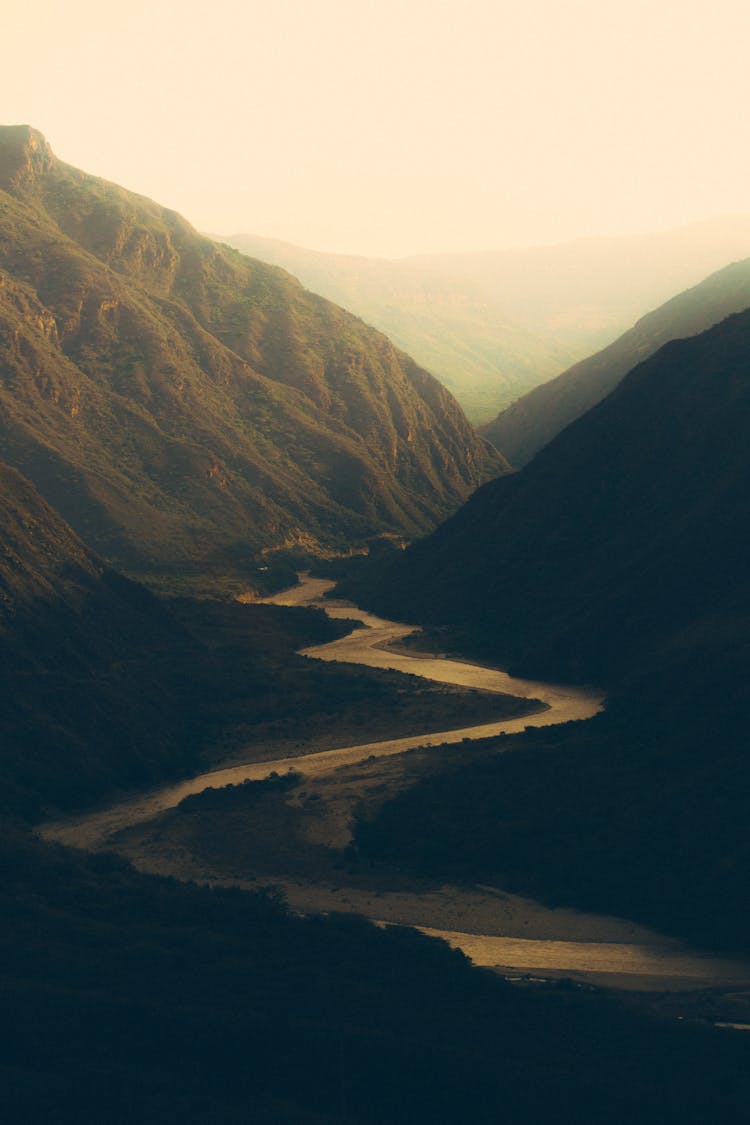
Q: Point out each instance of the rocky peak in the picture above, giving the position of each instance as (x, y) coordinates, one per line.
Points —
(24, 154)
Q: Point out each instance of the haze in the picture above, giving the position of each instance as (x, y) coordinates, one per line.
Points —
(397, 128)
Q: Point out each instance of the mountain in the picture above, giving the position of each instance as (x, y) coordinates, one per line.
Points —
(617, 556)
(185, 407)
(528, 424)
(627, 529)
(494, 325)
(590, 289)
(83, 706)
(458, 330)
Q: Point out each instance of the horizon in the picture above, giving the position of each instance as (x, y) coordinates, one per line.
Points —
(429, 129)
(709, 221)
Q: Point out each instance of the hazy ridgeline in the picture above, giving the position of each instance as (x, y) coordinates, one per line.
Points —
(529, 424)
(617, 556)
(494, 325)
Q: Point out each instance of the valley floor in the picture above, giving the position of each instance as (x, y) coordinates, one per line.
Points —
(299, 839)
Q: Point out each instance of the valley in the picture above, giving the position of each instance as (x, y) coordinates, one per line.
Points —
(296, 833)
(454, 828)
(494, 325)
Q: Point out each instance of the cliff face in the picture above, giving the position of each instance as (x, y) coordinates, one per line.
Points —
(24, 155)
(184, 406)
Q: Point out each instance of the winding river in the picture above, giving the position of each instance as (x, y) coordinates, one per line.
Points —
(507, 932)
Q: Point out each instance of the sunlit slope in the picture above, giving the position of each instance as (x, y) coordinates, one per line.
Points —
(451, 325)
(630, 528)
(531, 422)
(184, 406)
(495, 324)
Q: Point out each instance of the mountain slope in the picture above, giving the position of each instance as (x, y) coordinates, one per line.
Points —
(618, 556)
(83, 707)
(450, 325)
(630, 527)
(494, 325)
(531, 422)
(185, 407)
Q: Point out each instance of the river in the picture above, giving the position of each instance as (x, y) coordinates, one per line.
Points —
(510, 933)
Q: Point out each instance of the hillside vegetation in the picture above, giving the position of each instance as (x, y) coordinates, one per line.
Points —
(185, 407)
(453, 326)
(494, 324)
(85, 704)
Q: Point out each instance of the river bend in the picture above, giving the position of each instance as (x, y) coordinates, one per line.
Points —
(526, 937)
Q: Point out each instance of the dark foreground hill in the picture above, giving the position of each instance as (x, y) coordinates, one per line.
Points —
(83, 706)
(135, 1000)
(530, 423)
(185, 407)
(619, 556)
(629, 528)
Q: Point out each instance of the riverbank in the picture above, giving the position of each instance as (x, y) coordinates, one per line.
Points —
(298, 840)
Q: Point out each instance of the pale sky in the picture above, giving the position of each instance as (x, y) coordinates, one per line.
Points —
(397, 126)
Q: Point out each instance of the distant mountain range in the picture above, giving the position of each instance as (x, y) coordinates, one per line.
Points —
(494, 325)
(531, 422)
(186, 408)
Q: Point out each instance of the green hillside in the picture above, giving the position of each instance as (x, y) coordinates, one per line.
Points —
(453, 326)
(185, 407)
(84, 704)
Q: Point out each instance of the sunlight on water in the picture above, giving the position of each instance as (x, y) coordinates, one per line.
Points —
(594, 958)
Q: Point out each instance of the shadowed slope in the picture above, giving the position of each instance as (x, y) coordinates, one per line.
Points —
(628, 528)
(531, 422)
(618, 555)
(83, 705)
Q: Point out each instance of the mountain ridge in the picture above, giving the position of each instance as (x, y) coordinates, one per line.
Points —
(492, 325)
(181, 404)
(533, 420)
(617, 556)
(603, 542)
